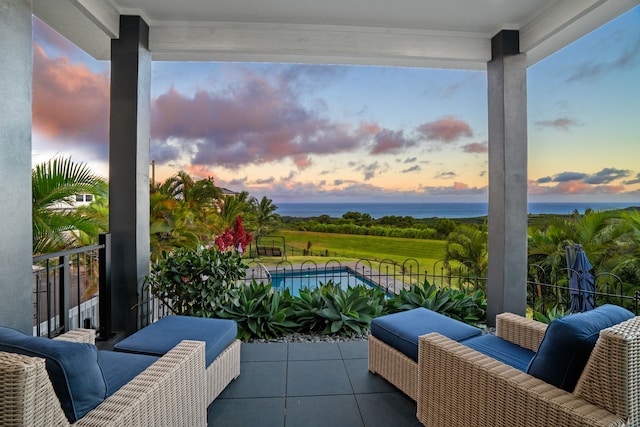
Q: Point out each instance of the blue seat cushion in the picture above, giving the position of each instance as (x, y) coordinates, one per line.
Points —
(502, 350)
(72, 367)
(120, 368)
(568, 342)
(160, 337)
(401, 330)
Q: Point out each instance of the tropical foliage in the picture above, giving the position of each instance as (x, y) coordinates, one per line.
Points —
(611, 241)
(332, 310)
(259, 312)
(196, 282)
(187, 213)
(467, 246)
(54, 186)
(454, 303)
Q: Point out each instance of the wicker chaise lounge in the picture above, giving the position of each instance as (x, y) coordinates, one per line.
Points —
(222, 349)
(393, 344)
(458, 386)
(169, 392)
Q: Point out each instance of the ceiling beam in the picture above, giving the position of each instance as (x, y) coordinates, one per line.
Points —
(319, 44)
(565, 22)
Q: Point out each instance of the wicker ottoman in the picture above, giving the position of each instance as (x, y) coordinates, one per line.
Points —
(393, 344)
(222, 349)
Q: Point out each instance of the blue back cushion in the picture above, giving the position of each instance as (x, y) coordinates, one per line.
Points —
(401, 330)
(160, 337)
(568, 342)
(502, 350)
(72, 367)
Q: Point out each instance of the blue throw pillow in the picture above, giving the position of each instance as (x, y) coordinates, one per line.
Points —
(72, 367)
(568, 342)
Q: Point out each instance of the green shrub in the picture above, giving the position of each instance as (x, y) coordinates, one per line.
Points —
(450, 302)
(260, 311)
(330, 309)
(195, 282)
(551, 314)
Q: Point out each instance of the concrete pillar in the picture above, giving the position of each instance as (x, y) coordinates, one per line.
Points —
(129, 168)
(16, 293)
(507, 84)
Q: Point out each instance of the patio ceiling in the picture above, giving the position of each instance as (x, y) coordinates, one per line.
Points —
(424, 33)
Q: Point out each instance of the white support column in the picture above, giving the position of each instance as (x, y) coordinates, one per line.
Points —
(507, 84)
(16, 56)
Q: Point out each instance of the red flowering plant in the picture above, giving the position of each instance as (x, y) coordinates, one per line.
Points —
(199, 282)
(234, 240)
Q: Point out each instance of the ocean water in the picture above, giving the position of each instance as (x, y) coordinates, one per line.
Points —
(430, 210)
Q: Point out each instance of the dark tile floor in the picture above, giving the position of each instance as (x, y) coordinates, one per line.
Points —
(309, 385)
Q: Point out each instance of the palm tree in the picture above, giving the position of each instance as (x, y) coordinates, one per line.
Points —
(183, 213)
(234, 205)
(601, 234)
(265, 218)
(54, 185)
(628, 266)
(468, 246)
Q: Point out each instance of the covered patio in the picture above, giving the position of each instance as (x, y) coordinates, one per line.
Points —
(502, 37)
(274, 389)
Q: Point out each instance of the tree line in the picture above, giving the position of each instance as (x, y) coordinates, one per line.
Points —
(185, 212)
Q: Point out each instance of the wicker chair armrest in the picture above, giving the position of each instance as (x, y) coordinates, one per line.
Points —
(78, 335)
(26, 394)
(459, 386)
(170, 392)
(519, 330)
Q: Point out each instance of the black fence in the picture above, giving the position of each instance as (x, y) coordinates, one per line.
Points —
(544, 295)
(76, 282)
(385, 274)
(67, 290)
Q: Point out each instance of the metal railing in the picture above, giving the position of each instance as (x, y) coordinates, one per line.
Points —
(392, 277)
(556, 295)
(71, 290)
(386, 274)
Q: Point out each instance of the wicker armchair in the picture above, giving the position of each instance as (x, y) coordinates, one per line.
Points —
(170, 392)
(458, 386)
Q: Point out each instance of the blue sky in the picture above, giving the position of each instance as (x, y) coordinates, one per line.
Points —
(337, 133)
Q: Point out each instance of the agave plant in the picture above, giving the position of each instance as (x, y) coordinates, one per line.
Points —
(448, 301)
(349, 310)
(260, 312)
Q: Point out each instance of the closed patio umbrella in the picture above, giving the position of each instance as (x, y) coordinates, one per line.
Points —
(581, 281)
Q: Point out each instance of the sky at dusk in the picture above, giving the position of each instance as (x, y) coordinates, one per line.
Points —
(325, 133)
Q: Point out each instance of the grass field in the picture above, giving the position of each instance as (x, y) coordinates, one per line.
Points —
(345, 247)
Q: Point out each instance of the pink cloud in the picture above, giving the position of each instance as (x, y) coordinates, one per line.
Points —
(562, 123)
(476, 147)
(302, 162)
(200, 172)
(388, 141)
(370, 128)
(460, 186)
(256, 122)
(457, 189)
(446, 129)
(572, 188)
(70, 101)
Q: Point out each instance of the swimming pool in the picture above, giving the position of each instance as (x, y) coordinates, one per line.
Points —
(312, 278)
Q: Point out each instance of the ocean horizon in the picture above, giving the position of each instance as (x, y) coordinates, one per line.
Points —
(433, 210)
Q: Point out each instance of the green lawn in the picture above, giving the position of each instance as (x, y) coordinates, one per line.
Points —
(347, 246)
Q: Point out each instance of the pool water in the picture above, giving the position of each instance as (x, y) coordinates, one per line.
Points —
(296, 280)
